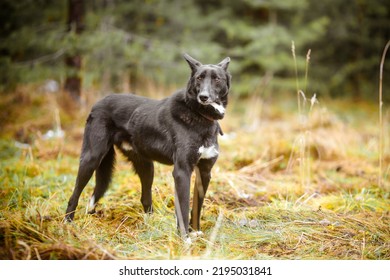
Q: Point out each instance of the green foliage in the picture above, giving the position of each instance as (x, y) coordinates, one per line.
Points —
(31, 41)
(347, 56)
(132, 40)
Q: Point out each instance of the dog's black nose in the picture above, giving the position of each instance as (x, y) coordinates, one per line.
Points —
(203, 98)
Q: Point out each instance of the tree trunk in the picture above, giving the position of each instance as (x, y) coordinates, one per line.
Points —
(75, 23)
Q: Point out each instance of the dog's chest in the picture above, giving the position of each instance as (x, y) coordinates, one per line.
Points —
(207, 143)
(208, 152)
(208, 147)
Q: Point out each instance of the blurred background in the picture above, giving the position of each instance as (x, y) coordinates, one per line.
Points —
(118, 45)
(304, 169)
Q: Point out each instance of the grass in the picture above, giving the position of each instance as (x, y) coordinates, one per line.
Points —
(256, 206)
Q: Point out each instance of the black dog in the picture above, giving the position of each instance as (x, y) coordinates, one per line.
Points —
(181, 130)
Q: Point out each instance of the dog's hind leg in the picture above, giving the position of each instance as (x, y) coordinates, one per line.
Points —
(86, 169)
(103, 178)
(145, 170)
(95, 147)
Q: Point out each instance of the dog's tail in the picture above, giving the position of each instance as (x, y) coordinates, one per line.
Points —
(103, 178)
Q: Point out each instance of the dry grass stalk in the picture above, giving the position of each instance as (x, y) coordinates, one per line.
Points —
(296, 77)
(304, 117)
(214, 235)
(381, 140)
(307, 68)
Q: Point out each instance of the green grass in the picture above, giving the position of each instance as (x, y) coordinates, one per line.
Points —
(256, 206)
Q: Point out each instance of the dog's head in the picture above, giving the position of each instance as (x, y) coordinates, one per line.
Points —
(208, 87)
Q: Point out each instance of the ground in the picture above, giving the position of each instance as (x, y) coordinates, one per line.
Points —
(286, 186)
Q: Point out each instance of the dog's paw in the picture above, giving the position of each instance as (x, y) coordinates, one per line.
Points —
(187, 240)
(67, 220)
(191, 237)
(195, 234)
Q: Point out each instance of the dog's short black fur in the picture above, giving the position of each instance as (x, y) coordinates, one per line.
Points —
(181, 130)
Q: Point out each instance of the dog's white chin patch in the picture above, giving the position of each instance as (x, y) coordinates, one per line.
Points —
(126, 146)
(218, 107)
(206, 153)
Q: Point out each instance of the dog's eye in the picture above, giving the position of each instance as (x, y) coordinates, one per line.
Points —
(199, 78)
(217, 80)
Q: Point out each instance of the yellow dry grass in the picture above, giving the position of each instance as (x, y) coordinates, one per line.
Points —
(260, 204)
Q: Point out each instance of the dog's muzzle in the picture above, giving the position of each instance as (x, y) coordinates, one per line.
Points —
(205, 100)
(218, 107)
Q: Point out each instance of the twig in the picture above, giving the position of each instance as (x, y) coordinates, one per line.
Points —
(28, 249)
(124, 220)
(37, 253)
(106, 252)
(214, 233)
(299, 241)
(258, 165)
(44, 58)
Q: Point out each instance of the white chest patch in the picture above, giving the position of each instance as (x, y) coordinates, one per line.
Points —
(218, 107)
(126, 146)
(206, 153)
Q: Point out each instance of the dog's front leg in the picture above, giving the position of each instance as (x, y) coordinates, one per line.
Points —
(182, 175)
(202, 181)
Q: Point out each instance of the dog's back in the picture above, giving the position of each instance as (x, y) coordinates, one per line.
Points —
(117, 108)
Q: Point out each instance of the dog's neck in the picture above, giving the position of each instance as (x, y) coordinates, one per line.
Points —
(202, 116)
(207, 117)
(190, 118)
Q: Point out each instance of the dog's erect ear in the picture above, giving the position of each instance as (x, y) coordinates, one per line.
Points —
(224, 63)
(192, 62)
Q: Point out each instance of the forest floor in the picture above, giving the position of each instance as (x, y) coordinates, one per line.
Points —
(284, 187)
